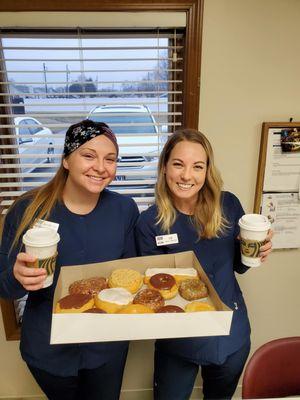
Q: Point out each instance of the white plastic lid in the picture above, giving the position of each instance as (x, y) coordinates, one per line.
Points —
(254, 222)
(40, 237)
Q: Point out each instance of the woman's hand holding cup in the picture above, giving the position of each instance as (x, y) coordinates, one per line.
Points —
(30, 278)
(266, 249)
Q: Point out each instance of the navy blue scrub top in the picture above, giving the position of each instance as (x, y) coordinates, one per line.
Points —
(106, 233)
(220, 258)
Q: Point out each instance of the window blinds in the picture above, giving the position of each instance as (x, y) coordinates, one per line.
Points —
(132, 80)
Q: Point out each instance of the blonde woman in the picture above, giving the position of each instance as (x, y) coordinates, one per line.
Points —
(95, 225)
(191, 206)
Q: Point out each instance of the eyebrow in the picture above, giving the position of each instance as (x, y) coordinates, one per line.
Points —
(196, 162)
(111, 154)
(94, 151)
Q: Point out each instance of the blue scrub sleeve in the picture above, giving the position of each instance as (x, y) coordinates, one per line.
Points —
(239, 267)
(10, 288)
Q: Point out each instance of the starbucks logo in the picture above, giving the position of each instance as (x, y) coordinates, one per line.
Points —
(250, 248)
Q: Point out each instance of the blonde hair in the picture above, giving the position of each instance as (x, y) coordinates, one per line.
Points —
(207, 218)
(42, 201)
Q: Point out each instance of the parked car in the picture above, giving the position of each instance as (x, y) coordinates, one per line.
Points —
(129, 119)
(31, 135)
(20, 109)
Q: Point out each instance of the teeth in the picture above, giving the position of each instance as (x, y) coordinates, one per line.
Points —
(184, 185)
(96, 178)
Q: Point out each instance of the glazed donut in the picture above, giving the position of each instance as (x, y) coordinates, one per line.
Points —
(113, 300)
(192, 289)
(74, 303)
(88, 286)
(170, 309)
(136, 309)
(181, 274)
(165, 284)
(126, 278)
(195, 306)
(150, 298)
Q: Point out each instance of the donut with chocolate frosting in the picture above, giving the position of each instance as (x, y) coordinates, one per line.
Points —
(170, 309)
(74, 303)
(95, 311)
(165, 284)
(162, 281)
(150, 298)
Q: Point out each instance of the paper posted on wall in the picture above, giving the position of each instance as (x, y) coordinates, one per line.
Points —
(282, 171)
(283, 211)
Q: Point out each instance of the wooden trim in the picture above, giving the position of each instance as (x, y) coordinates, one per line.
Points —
(261, 167)
(191, 89)
(262, 158)
(97, 5)
(192, 70)
(11, 327)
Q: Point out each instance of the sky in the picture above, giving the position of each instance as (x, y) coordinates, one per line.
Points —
(57, 73)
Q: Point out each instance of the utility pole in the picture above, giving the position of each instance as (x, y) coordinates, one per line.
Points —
(45, 77)
(67, 76)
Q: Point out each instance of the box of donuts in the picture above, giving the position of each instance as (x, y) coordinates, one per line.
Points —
(160, 296)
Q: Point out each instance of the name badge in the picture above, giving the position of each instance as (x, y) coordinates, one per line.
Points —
(166, 239)
(46, 224)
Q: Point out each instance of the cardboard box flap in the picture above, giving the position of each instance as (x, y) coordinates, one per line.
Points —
(85, 328)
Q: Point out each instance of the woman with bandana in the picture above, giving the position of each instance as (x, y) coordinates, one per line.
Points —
(95, 225)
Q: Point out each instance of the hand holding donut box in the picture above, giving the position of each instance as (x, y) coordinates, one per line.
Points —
(137, 298)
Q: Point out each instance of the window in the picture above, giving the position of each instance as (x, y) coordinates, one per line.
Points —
(176, 97)
(132, 80)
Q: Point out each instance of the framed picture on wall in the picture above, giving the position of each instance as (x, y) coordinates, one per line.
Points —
(277, 192)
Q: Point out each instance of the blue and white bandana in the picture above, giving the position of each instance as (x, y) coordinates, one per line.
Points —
(83, 131)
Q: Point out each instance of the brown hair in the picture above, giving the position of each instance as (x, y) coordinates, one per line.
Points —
(207, 217)
(42, 201)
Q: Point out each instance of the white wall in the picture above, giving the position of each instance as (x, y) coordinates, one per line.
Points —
(250, 74)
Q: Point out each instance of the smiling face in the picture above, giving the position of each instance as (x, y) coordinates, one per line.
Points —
(185, 174)
(92, 166)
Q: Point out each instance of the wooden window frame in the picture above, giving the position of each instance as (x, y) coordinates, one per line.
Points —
(191, 87)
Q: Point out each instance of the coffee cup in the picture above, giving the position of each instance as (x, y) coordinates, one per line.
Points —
(253, 232)
(42, 244)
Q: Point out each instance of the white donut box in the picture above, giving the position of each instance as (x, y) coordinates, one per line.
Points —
(85, 327)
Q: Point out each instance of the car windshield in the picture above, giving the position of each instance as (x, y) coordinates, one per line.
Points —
(127, 119)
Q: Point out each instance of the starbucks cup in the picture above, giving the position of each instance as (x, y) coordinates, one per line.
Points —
(42, 243)
(253, 232)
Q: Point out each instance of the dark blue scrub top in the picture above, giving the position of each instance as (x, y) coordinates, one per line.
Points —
(220, 258)
(106, 233)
